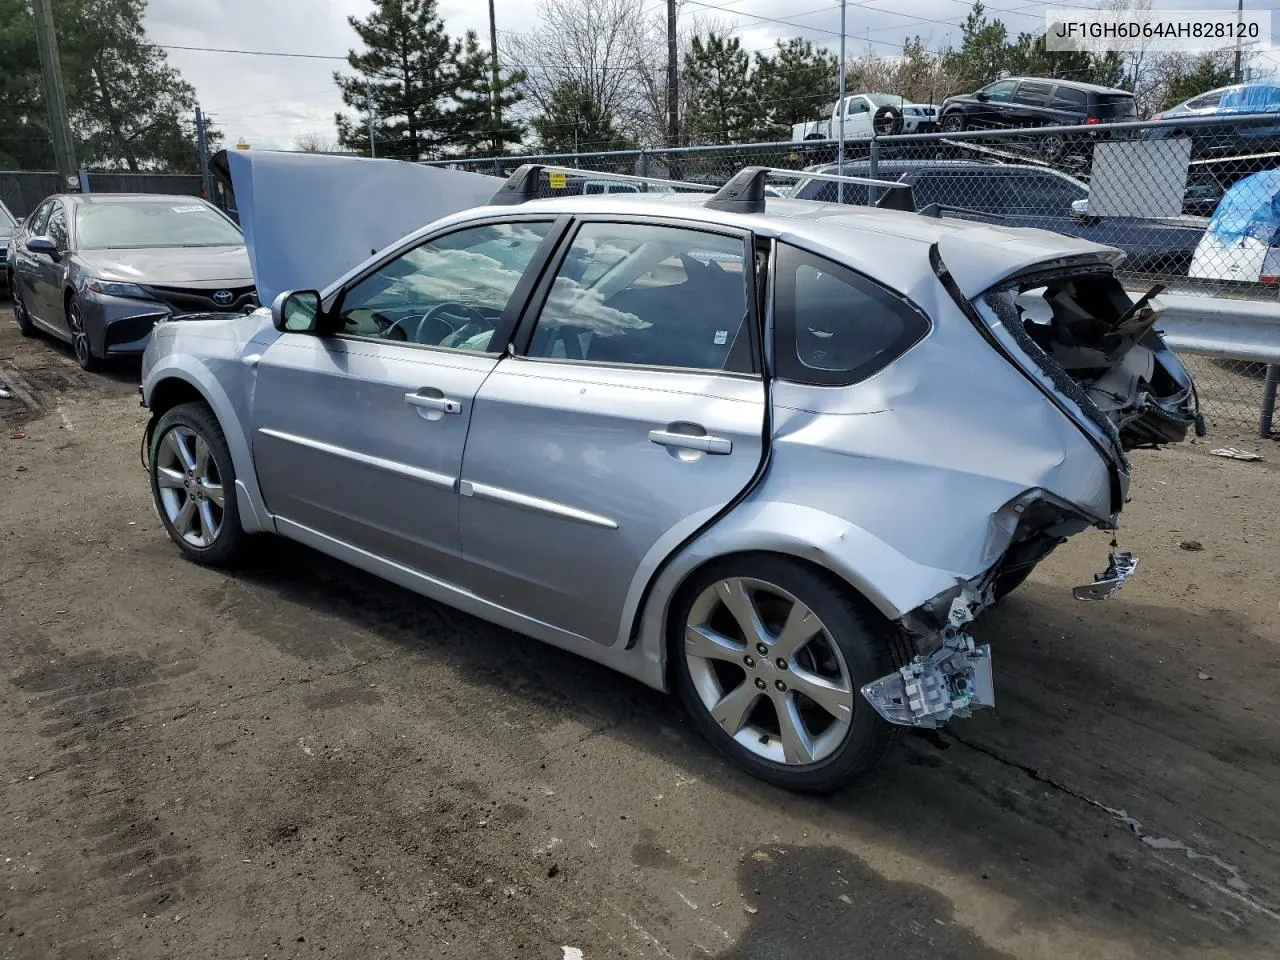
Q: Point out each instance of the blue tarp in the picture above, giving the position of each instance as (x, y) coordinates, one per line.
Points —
(309, 218)
(1254, 98)
(1251, 208)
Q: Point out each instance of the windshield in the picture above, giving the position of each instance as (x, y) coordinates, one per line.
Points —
(151, 223)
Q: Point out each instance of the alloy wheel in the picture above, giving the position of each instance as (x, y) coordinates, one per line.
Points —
(952, 124)
(190, 487)
(768, 672)
(79, 339)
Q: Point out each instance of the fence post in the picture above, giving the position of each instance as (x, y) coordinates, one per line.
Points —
(497, 167)
(873, 166)
(644, 163)
(1269, 400)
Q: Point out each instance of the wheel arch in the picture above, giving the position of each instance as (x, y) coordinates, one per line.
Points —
(869, 568)
(169, 384)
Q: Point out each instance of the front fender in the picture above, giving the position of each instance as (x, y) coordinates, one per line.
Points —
(254, 517)
(891, 582)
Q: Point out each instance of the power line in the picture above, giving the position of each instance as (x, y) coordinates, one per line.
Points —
(251, 53)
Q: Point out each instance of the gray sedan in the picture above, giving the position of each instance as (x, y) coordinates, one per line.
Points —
(100, 270)
(774, 454)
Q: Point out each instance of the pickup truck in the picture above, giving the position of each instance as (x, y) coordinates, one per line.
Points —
(866, 114)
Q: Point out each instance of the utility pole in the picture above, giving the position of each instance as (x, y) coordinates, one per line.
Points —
(495, 83)
(673, 79)
(368, 105)
(202, 147)
(840, 144)
(55, 96)
(1239, 17)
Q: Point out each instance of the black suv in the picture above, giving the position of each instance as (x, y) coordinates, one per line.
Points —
(1022, 195)
(1036, 102)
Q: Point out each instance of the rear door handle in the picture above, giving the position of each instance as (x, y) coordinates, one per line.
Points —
(443, 404)
(706, 443)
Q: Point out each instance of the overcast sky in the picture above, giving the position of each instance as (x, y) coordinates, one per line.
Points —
(271, 100)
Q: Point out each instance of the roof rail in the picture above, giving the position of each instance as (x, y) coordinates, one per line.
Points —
(523, 184)
(744, 193)
(938, 209)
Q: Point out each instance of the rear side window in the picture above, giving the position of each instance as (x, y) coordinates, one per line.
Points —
(1115, 107)
(1033, 93)
(1033, 193)
(1068, 98)
(833, 326)
(1208, 100)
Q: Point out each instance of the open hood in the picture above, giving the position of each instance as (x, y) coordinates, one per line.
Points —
(309, 218)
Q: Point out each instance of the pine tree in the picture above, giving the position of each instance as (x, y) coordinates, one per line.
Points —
(411, 71)
(1208, 73)
(722, 102)
(574, 120)
(795, 84)
(476, 126)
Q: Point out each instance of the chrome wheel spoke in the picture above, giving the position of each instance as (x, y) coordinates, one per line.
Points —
(176, 443)
(702, 641)
(797, 745)
(187, 513)
(208, 526)
(167, 477)
(213, 492)
(202, 459)
(733, 594)
(801, 626)
(732, 710)
(833, 696)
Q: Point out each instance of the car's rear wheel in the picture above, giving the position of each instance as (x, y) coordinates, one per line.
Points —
(953, 123)
(80, 342)
(770, 657)
(193, 483)
(20, 314)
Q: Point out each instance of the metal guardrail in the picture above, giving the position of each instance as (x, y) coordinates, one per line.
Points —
(1247, 330)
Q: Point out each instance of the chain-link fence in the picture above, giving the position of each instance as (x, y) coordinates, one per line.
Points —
(1149, 189)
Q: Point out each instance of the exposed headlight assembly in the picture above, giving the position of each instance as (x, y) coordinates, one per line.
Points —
(112, 289)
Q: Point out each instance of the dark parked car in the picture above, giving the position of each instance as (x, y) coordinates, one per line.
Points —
(1022, 195)
(100, 270)
(1036, 102)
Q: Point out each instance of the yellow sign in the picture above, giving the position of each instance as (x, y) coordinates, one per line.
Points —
(243, 144)
(558, 180)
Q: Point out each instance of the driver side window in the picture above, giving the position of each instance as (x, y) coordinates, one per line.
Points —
(449, 292)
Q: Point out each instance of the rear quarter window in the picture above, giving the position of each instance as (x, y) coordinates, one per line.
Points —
(1068, 98)
(832, 325)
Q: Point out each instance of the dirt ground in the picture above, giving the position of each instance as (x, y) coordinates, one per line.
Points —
(294, 759)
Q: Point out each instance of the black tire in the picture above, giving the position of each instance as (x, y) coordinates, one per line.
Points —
(197, 418)
(20, 314)
(864, 641)
(81, 342)
(887, 121)
(952, 123)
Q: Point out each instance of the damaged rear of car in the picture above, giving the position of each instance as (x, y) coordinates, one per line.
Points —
(1070, 328)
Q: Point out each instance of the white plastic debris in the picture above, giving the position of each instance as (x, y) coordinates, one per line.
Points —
(572, 953)
(1233, 453)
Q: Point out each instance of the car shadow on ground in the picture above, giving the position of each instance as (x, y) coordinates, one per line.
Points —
(1007, 800)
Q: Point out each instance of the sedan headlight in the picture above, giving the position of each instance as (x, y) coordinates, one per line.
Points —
(112, 289)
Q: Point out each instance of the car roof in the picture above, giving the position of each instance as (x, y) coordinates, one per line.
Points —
(917, 164)
(1074, 84)
(888, 245)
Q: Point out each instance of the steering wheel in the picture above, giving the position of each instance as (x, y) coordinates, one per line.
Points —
(472, 318)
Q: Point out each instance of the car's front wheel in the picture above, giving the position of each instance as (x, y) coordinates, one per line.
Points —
(953, 123)
(770, 656)
(80, 342)
(193, 482)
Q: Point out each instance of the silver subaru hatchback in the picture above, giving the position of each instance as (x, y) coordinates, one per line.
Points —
(774, 454)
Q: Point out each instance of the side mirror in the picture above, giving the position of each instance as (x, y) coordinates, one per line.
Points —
(981, 96)
(44, 245)
(296, 311)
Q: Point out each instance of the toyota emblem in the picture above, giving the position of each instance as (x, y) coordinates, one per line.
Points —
(223, 297)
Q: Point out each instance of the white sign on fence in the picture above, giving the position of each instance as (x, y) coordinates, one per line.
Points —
(1139, 178)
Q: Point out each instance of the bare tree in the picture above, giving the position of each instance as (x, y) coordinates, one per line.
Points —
(313, 143)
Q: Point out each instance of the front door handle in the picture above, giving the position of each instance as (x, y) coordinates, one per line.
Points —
(705, 443)
(424, 402)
